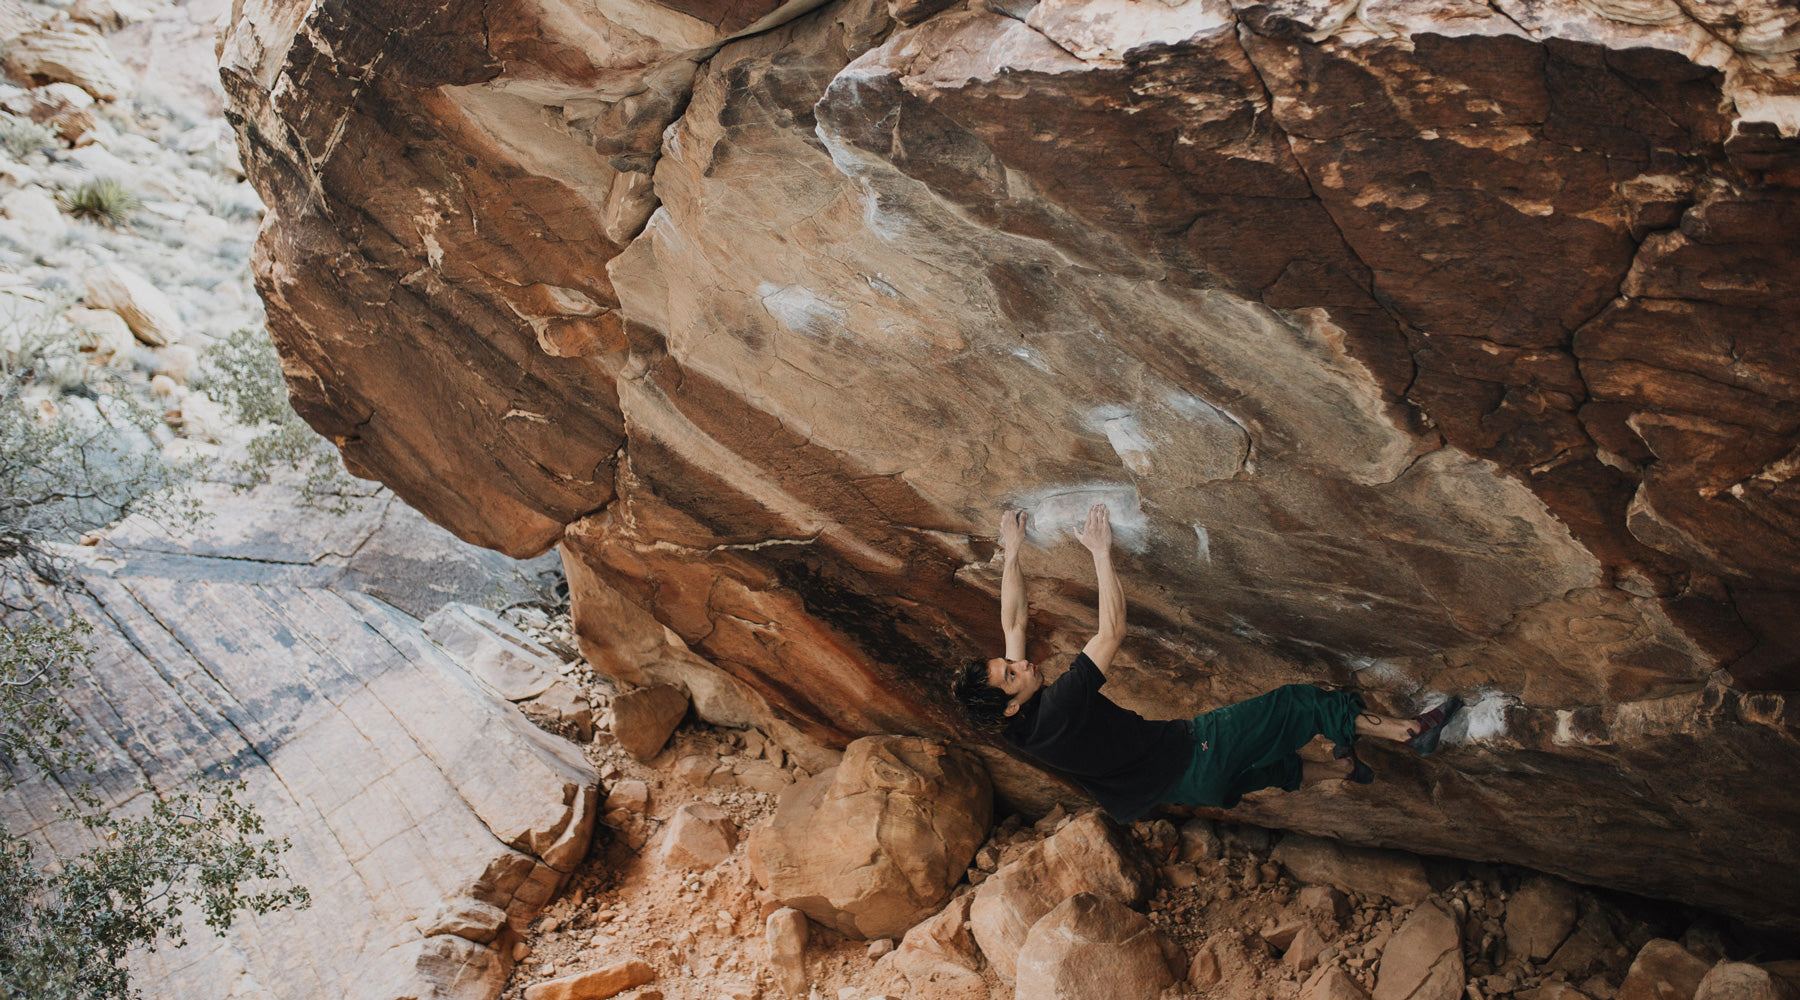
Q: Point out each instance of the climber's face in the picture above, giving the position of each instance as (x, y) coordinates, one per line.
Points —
(1018, 678)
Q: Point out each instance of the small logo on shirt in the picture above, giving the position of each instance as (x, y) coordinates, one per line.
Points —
(1204, 746)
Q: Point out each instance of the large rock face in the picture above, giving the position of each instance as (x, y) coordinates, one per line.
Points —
(1416, 347)
(427, 816)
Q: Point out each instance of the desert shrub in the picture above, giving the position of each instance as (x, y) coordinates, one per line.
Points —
(21, 137)
(75, 454)
(243, 373)
(66, 929)
(105, 200)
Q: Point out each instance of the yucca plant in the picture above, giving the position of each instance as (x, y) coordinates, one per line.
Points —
(104, 200)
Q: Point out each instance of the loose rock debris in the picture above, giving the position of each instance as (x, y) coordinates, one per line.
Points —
(1227, 910)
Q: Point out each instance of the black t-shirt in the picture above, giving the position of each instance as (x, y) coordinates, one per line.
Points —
(1125, 761)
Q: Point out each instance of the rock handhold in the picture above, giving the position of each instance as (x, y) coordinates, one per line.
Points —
(1369, 871)
(149, 313)
(644, 719)
(1539, 917)
(874, 845)
(700, 836)
(1092, 946)
(1088, 854)
(1424, 959)
(1663, 970)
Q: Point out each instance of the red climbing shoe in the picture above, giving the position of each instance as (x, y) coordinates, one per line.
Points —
(1431, 726)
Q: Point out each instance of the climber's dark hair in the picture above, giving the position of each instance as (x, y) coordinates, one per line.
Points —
(983, 703)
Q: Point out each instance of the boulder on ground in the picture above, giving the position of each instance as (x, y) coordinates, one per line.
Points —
(596, 985)
(1324, 902)
(630, 795)
(69, 53)
(786, 934)
(465, 917)
(1663, 970)
(568, 704)
(1092, 946)
(149, 313)
(700, 836)
(34, 209)
(1200, 842)
(939, 958)
(1331, 982)
(875, 845)
(644, 719)
(1741, 981)
(1089, 854)
(1539, 917)
(1366, 870)
(1424, 960)
(1303, 953)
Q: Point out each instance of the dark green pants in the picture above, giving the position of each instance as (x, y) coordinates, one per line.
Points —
(1250, 745)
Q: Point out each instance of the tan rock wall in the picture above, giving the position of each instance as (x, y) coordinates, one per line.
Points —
(1415, 347)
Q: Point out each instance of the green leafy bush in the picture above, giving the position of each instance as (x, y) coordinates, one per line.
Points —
(67, 929)
(243, 374)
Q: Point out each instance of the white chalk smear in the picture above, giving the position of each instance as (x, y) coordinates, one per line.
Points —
(800, 310)
(1057, 511)
(1485, 719)
(1127, 438)
(1373, 671)
(1203, 545)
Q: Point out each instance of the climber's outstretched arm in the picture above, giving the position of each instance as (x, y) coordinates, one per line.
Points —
(1096, 536)
(1012, 583)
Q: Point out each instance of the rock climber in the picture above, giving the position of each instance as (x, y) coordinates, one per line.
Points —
(1131, 764)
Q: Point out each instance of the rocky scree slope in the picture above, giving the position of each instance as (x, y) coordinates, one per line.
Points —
(1418, 348)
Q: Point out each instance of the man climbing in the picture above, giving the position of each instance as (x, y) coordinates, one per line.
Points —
(1130, 764)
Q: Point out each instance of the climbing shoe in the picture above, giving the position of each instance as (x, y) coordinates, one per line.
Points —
(1431, 726)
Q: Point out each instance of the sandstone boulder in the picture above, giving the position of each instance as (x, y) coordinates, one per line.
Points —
(1741, 981)
(630, 795)
(1092, 946)
(596, 985)
(700, 835)
(939, 957)
(565, 703)
(143, 306)
(1401, 338)
(1539, 917)
(70, 53)
(1331, 982)
(874, 845)
(645, 718)
(1663, 970)
(1424, 961)
(1303, 952)
(1089, 854)
(34, 209)
(785, 932)
(1369, 871)
(1199, 842)
(465, 918)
